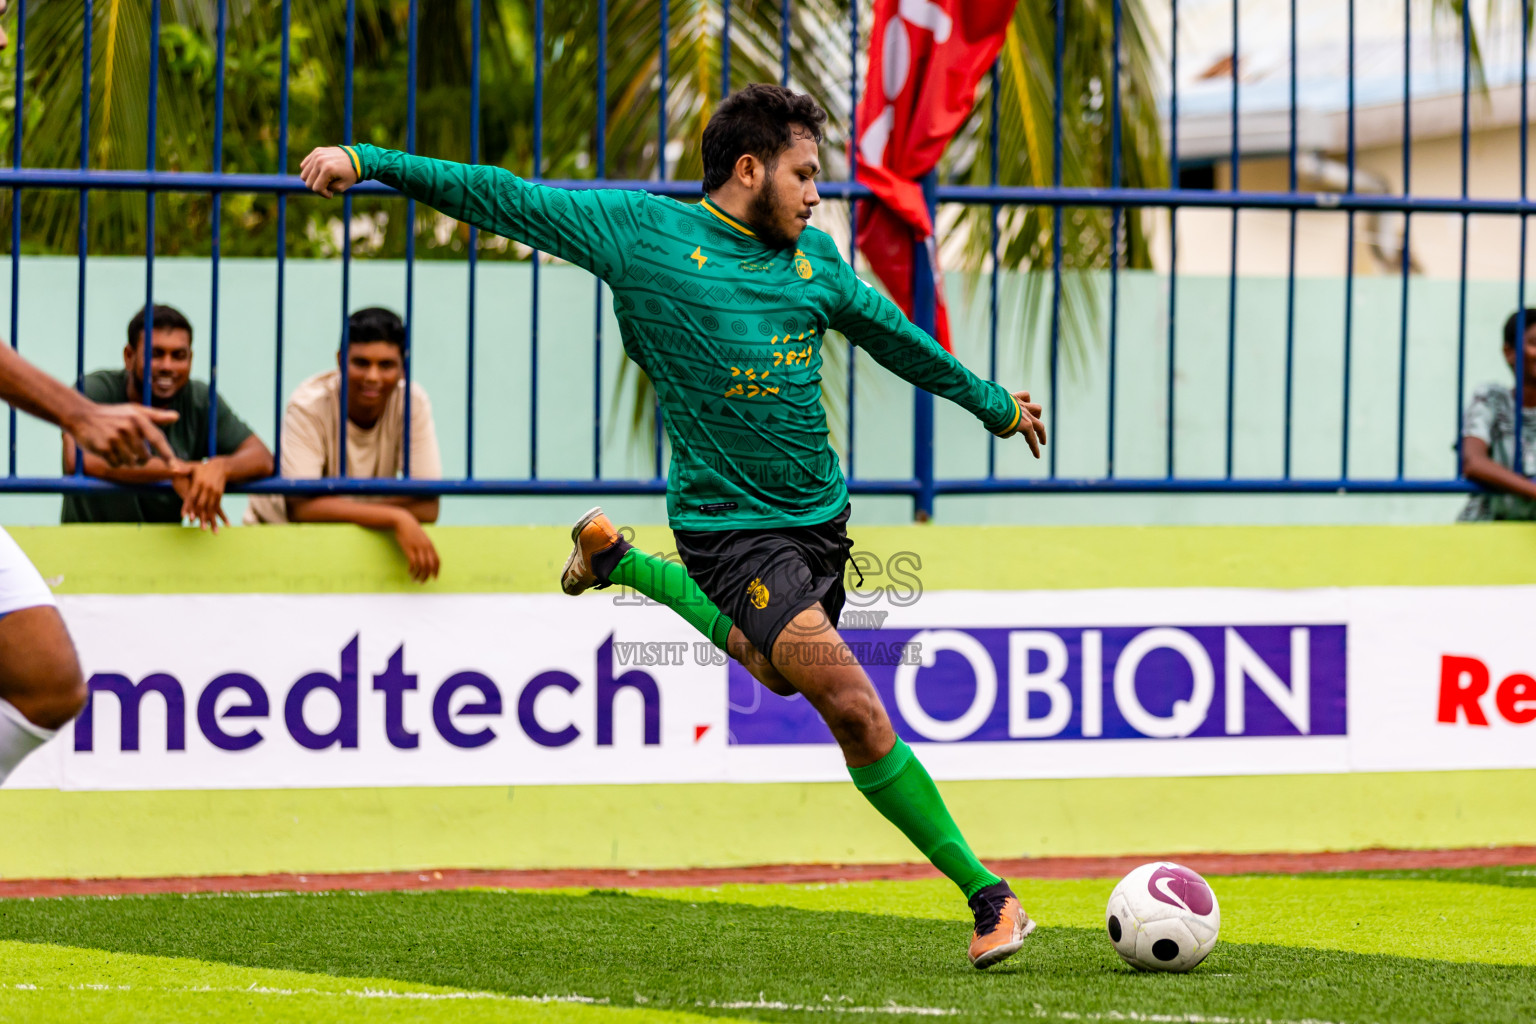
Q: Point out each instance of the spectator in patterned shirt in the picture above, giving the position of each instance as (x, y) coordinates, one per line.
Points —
(1488, 436)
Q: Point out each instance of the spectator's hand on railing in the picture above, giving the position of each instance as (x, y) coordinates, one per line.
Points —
(1030, 424)
(328, 171)
(124, 435)
(201, 487)
(417, 546)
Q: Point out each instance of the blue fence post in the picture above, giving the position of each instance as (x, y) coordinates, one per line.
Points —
(346, 244)
(147, 336)
(1173, 244)
(1405, 264)
(21, 62)
(725, 49)
(216, 200)
(474, 244)
(533, 257)
(1518, 461)
(601, 136)
(1290, 263)
(279, 406)
(88, 30)
(1058, 93)
(410, 232)
(924, 315)
(853, 209)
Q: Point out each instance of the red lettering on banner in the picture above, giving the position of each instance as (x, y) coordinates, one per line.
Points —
(1456, 697)
(1516, 698)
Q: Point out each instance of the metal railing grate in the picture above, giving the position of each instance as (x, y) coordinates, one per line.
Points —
(925, 482)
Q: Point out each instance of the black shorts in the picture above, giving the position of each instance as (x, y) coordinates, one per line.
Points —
(764, 578)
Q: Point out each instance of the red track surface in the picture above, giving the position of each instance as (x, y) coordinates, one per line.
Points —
(607, 878)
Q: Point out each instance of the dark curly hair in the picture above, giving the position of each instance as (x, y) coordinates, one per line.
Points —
(376, 324)
(1511, 326)
(760, 120)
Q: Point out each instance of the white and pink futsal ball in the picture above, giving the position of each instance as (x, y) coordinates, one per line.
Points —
(1163, 917)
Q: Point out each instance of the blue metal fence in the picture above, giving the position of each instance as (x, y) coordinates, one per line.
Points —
(923, 486)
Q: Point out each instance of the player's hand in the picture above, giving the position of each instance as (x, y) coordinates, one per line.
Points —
(328, 171)
(4, 40)
(417, 547)
(202, 500)
(1030, 424)
(124, 435)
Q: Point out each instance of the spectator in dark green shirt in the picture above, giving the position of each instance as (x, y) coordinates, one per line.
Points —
(197, 475)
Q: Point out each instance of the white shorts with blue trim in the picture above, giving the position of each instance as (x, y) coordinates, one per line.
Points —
(20, 584)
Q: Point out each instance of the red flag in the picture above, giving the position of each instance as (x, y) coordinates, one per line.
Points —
(925, 60)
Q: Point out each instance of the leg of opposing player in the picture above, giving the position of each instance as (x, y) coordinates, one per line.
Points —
(812, 655)
(41, 685)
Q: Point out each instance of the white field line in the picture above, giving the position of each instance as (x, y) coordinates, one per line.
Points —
(1037, 1012)
(1041, 1012)
(267, 990)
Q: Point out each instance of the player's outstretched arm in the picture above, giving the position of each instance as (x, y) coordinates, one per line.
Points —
(875, 324)
(124, 435)
(582, 226)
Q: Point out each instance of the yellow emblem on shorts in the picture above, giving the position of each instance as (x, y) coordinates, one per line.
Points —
(802, 265)
(757, 594)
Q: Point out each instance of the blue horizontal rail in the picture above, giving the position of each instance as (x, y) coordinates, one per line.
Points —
(978, 485)
(971, 195)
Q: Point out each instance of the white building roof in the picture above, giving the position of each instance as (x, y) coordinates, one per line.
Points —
(1434, 85)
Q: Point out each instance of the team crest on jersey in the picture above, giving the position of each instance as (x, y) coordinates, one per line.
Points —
(802, 265)
(757, 594)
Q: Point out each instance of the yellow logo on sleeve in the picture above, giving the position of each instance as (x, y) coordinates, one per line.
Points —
(757, 594)
(802, 265)
(698, 255)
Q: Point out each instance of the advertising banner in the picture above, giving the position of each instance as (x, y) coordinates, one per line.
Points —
(278, 691)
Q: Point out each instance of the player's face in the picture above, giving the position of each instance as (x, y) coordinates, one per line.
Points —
(374, 369)
(782, 206)
(170, 365)
(1530, 358)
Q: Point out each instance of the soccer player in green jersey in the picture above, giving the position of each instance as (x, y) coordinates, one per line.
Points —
(724, 304)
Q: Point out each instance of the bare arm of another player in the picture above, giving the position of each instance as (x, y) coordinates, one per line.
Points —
(154, 470)
(402, 522)
(1479, 467)
(424, 509)
(123, 435)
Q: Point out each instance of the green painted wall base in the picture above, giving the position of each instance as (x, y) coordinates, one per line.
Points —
(325, 559)
(138, 834)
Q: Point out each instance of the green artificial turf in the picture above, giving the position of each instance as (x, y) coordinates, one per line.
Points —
(719, 957)
(1518, 877)
(1408, 917)
(41, 984)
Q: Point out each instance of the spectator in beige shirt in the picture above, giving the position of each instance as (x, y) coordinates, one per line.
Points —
(375, 354)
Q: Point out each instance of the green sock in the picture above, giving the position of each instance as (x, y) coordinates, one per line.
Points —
(669, 583)
(902, 790)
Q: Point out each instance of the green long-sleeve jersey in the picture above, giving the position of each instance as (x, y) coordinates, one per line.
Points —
(728, 329)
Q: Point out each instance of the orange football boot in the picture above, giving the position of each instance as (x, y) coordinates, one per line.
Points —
(592, 533)
(1001, 925)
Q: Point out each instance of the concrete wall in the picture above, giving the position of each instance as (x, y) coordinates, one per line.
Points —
(115, 288)
(1493, 242)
